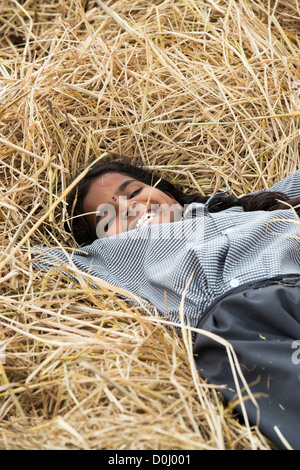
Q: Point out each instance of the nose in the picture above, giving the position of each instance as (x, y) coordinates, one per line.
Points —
(134, 209)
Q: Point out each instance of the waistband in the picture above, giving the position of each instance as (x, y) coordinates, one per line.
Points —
(288, 280)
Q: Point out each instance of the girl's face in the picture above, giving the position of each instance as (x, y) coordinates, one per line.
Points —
(118, 203)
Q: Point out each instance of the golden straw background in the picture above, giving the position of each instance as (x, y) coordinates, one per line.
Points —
(208, 92)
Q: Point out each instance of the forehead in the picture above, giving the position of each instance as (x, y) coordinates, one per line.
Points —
(102, 189)
(109, 181)
(106, 185)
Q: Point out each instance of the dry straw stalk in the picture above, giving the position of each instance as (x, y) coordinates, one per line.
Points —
(206, 92)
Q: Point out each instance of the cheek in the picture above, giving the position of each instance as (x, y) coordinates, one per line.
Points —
(163, 198)
(170, 210)
(173, 204)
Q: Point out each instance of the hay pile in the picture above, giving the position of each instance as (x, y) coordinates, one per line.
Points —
(206, 91)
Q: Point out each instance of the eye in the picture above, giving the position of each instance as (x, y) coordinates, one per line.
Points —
(135, 193)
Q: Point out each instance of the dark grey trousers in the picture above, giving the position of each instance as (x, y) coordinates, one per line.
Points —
(262, 323)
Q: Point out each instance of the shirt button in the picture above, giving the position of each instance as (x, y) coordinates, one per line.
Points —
(234, 282)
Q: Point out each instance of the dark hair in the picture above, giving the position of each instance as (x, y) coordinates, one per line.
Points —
(84, 235)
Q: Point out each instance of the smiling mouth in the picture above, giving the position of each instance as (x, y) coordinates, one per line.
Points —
(146, 219)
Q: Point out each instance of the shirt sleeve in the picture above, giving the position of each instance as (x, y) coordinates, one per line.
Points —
(289, 185)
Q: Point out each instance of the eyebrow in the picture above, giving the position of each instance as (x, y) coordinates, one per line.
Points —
(123, 186)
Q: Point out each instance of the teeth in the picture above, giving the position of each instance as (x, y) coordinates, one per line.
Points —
(144, 220)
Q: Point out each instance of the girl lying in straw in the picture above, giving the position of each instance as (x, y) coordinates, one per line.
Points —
(226, 266)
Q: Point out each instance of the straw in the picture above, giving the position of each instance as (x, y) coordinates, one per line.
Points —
(207, 93)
